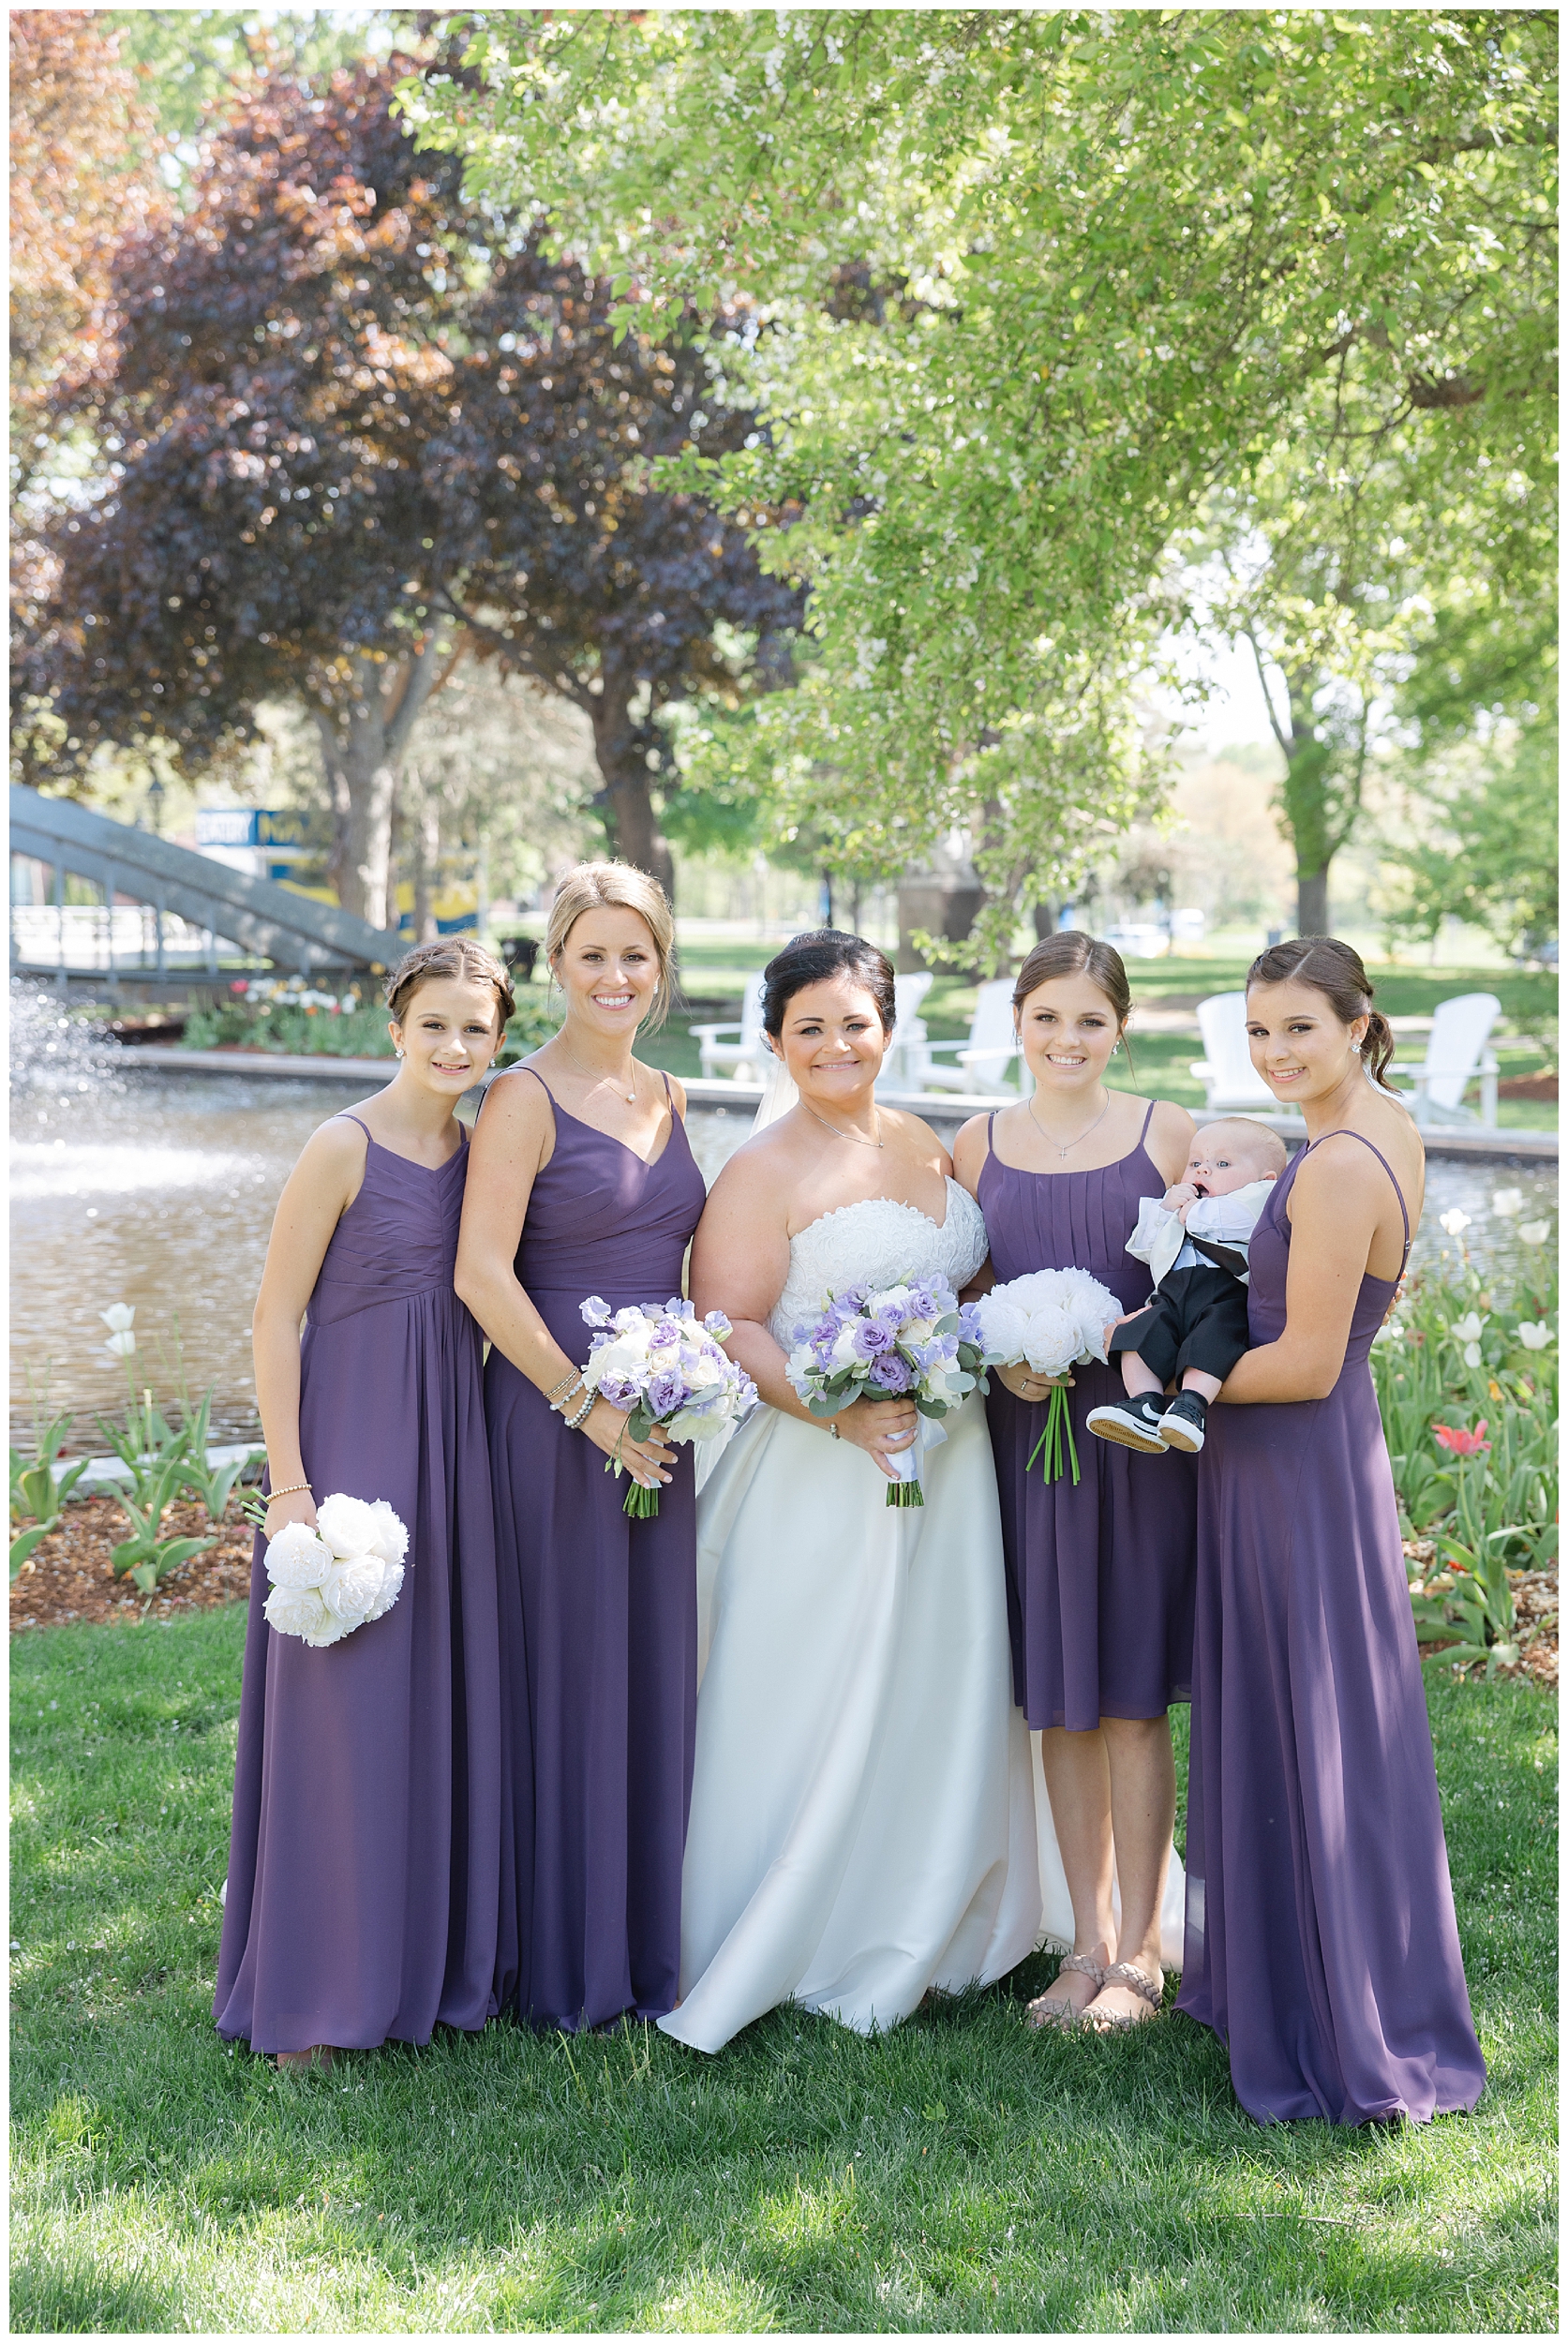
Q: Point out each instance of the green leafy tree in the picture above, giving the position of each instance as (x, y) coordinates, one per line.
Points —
(1104, 257)
(357, 428)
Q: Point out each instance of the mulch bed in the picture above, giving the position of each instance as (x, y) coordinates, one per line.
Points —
(69, 1575)
(1542, 1085)
(1534, 1618)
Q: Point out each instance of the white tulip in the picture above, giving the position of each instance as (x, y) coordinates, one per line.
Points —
(297, 1560)
(123, 1344)
(1473, 1354)
(1468, 1329)
(1534, 1231)
(1506, 1201)
(1536, 1336)
(346, 1525)
(118, 1316)
(1453, 1221)
(391, 1541)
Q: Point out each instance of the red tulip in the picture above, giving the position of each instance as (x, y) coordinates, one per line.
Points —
(1458, 1441)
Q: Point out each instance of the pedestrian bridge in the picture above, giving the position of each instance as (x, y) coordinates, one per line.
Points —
(164, 909)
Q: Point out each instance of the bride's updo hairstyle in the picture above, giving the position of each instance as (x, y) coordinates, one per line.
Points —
(457, 956)
(816, 958)
(1335, 970)
(616, 886)
(1072, 953)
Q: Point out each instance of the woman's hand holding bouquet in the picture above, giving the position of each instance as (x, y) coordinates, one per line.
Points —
(668, 1375)
(908, 1342)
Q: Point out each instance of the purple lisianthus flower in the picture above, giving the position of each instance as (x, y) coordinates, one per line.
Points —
(891, 1373)
(924, 1298)
(873, 1337)
(665, 1392)
(619, 1390)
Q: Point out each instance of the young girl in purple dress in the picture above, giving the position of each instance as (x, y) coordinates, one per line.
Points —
(583, 1185)
(1100, 1573)
(1321, 1944)
(364, 1858)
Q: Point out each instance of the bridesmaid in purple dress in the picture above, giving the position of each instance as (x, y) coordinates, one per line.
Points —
(583, 1184)
(364, 1866)
(1320, 1939)
(1100, 1575)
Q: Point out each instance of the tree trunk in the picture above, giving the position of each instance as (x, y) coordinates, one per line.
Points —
(426, 859)
(1312, 902)
(1045, 918)
(622, 760)
(363, 746)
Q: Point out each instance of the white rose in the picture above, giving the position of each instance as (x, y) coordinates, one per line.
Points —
(629, 1321)
(845, 1352)
(297, 1560)
(798, 1366)
(348, 1524)
(391, 1541)
(299, 1611)
(352, 1587)
(624, 1356)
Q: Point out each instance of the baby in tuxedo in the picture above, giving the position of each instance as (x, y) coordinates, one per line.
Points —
(1194, 1240)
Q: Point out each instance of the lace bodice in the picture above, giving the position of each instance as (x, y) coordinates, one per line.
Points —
(881, 1242)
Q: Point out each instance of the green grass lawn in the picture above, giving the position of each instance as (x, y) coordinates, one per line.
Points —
(960, 2173)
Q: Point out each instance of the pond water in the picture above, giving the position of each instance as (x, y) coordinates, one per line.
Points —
(159, 1190)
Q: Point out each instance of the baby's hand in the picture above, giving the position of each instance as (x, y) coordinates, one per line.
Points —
(1180, 1200)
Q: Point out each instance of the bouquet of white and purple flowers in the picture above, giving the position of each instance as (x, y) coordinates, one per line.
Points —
(669, 1373)
(1049, 1320)
(908, 1342)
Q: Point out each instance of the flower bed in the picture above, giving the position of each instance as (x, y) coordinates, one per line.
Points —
(1467, 1378)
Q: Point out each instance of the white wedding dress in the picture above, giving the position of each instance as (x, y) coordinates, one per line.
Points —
(864, 1813)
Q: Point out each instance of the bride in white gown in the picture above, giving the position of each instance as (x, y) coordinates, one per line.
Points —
(863, 1819)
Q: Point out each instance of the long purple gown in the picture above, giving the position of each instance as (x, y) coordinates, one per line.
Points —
(599, 1635)
(1321, 1939)
(1100, 1577)
(364, 1865)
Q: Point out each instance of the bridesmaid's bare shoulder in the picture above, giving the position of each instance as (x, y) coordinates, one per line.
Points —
(1169, 1137)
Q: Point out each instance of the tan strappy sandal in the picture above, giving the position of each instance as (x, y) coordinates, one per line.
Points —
(1046, 2011)
(1151, 1989)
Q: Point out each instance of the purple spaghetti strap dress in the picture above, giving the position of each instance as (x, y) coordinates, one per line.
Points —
(1320, 1939)
(364, 1865)
(1100, 1577)
(599, 1625)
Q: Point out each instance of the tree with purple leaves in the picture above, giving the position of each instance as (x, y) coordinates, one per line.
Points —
(356, 428)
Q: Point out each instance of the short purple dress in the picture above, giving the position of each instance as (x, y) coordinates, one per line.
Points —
(599, 1613)
(364, 1863)
(1100, 1577)
(1321, 1940)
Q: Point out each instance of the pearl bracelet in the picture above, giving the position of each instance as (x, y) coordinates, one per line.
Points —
(296, 1489)
(573, 1421)
(559, 1406)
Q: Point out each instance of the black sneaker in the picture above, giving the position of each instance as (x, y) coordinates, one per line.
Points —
(1132, 1424)
(1184, 1419)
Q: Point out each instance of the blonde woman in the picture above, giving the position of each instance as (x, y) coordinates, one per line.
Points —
(582, 1183)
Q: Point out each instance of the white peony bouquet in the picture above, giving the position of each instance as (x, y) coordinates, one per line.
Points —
(1049, 1320)
(669, 1373)
(345, 1572)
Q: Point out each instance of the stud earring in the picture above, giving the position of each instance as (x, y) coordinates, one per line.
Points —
(398, 1053)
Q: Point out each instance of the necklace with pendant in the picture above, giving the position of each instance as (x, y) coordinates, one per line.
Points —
(629, 1095)
(855, 1135)
(1082, 1134)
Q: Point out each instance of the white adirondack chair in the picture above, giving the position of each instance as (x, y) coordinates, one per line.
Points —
(982, 1061)
(1457, 1053)
(1232, 1083)
(738, 1050)
(901, 1068)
